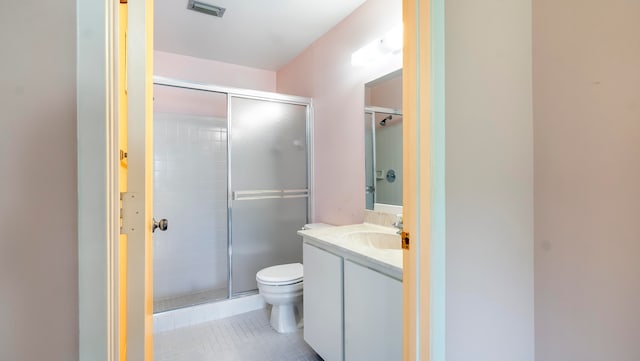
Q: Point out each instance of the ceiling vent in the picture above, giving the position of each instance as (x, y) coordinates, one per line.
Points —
(201, 7)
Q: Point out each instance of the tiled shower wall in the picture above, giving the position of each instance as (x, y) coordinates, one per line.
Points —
(190, 190)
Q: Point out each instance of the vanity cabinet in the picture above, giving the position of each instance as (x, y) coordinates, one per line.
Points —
(351, 312)
(372, 314)
(323, 296)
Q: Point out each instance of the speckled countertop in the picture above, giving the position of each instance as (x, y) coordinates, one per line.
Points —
(386, 261)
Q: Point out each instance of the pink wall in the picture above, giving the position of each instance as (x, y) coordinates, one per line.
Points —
(586, 63)
(168, 99)
(386, 94)
(38, 195)
(205, 71)
(198, 103)
(324, 72)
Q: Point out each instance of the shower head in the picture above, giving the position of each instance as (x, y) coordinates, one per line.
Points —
(383, 122)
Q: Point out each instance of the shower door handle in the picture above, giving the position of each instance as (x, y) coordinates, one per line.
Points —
(162, 224)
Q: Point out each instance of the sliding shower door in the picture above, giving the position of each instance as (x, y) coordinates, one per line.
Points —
(268, 186)
(230, 175)
(369, 159)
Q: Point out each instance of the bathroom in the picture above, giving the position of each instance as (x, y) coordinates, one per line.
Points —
(202, 274)
(542, 196)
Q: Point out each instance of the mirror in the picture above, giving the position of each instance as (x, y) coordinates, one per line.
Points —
(383, 141)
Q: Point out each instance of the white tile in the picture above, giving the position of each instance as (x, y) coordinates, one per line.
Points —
(244, 337)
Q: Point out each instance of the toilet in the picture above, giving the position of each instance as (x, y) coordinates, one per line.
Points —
(281, 287)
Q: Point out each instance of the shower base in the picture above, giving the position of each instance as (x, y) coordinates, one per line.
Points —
(193, 315)
(190, 299)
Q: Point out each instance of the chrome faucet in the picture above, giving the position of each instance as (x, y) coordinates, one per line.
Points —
(398, 223)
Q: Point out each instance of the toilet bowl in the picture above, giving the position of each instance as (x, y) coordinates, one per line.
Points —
(281, 286)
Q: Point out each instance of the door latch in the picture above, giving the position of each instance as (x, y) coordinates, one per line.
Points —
(405, 240)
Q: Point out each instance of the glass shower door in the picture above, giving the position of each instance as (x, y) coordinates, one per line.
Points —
(190, 189)
(268, 186)
(369, 160)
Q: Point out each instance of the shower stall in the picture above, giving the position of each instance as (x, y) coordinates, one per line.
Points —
(231, 173)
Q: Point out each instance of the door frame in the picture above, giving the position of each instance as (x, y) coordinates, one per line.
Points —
(98, 198)
(98, 159)
(97, 162)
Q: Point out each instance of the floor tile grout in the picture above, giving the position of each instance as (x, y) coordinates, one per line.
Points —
(244, 337)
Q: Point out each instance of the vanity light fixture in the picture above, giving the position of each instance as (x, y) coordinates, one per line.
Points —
(391, 43)
(205, 8)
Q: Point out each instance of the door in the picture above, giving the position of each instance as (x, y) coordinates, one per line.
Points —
(122, 174)
(423, 282)
(268, 186)
(190, 260)
(369, 159)
(137, 201)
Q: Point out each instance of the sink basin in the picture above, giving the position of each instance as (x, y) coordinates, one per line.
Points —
(374, 239)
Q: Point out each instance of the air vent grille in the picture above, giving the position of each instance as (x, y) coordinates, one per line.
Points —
(205, 8)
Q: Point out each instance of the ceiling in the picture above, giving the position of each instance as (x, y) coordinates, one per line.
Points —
(255, 33)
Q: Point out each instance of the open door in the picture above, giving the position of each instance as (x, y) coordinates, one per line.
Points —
(136, 201)
(423, 281)
(122, 174)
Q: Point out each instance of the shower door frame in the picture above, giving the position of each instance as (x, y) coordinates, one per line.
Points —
(232, 92)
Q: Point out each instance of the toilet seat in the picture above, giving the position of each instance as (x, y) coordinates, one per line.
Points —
(281, 275)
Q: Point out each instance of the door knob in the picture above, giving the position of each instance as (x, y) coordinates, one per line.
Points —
(163, 224)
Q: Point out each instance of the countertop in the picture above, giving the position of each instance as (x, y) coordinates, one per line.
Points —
(385, 261)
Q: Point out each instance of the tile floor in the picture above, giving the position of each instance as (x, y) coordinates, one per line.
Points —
(245, 337)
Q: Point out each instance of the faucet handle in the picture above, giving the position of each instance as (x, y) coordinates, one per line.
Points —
(398, 222)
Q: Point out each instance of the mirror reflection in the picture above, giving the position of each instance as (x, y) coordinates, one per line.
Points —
(383, 140)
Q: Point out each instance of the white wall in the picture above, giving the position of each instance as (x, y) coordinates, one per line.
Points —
(38, 212)
(489, 181)
(586, 62)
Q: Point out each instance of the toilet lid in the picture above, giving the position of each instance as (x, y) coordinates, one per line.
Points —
(285, 273)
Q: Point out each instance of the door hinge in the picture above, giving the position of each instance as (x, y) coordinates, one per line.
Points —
(131, 216)
(405, 240)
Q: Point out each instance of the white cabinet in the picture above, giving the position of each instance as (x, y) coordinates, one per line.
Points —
(323, 322)
(372, 314)
(351, 312)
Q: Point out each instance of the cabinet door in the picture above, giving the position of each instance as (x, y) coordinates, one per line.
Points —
(323, 302)
(372, 315)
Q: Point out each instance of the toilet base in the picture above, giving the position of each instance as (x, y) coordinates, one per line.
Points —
(283, 318)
